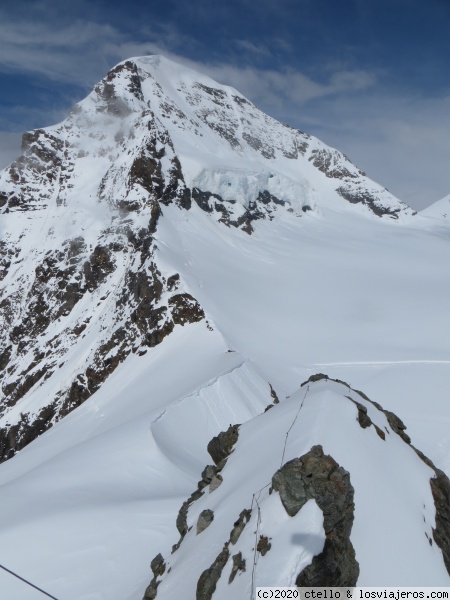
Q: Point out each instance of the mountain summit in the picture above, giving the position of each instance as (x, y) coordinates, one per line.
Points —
(174, 263)
(82, 204)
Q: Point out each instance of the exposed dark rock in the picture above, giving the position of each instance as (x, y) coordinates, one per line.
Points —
(316, 377)
(221, 446)
(98, 267)
(440, 488)
(173, 282)
(154, 218)
(238, 565)
(331, 163)
(13, 439)
(207, 582)
(132, 74)
(259, 145)
(23, 384)
(152, 590)
(318, 476)
(205, 518)
(397, 425)
(273, 393)
(216, 482)
(158, 566)
(5, 356)
(208, 473)
(263, 546)
(359, 195)
(239, 525)
(202, 199)
(363, 418)
(265, 197)
(185, 309)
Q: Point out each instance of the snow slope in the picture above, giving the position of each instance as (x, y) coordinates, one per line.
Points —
(439, 209)
(170, 259)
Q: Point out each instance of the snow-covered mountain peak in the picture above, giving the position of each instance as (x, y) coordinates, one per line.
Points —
(150, 108)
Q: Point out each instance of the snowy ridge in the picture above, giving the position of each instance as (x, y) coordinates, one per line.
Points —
(339, 419)
(174, 261)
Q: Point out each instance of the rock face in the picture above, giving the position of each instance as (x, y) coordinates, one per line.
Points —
(440, 488)
(316, 476)
(208, 579)
(221, 446)
(204, 520)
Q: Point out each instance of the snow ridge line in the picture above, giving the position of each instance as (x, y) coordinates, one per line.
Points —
(196, 393)
(257, 495)
(292, 424)
(28, 583)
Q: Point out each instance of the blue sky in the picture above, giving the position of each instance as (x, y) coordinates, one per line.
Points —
(370, 77)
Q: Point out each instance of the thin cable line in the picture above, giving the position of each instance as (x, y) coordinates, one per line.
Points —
(28, 582)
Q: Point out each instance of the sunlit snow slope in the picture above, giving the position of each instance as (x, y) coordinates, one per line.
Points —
(172, 260)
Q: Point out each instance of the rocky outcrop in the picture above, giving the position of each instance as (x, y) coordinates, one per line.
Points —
(221, 446)
(205, 518)
(440, 488)
(316, 476)
(158, 567)
(360, 195)
(333, 164)
(239, 564)
(239, 525)
(207, 583)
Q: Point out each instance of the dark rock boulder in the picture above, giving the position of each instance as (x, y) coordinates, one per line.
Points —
(239, 525)
(440, 488)
(158, 566)
(185, 309)
(205, 518)
(263, 546)
(318, 476)
(238, 565)
(221, 446)
(207, 582)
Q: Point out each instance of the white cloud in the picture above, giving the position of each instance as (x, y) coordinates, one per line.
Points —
(9, 147)
(401, 143)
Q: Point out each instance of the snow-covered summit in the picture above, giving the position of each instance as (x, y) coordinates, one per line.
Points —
(215, 142)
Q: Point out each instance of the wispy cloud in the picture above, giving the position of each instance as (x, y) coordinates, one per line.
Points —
(400, 141)
(9, 147)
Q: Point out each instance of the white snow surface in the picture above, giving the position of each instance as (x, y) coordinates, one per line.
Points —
(336, 289)
(439, 209)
